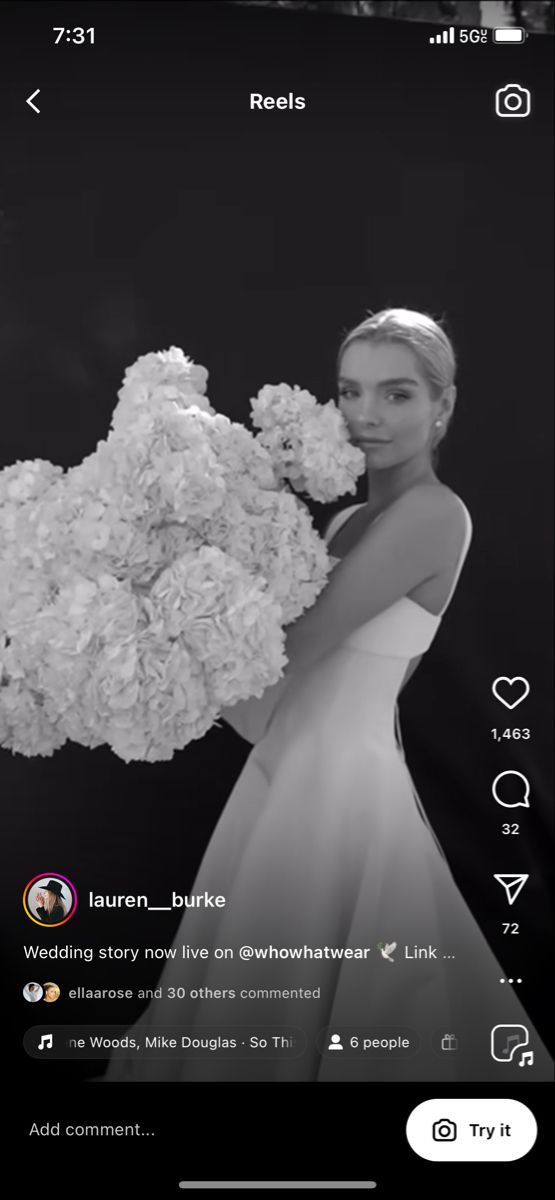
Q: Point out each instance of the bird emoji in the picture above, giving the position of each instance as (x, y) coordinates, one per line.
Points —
(387, 950)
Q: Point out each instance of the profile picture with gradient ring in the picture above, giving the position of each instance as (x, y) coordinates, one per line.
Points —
(49, 899)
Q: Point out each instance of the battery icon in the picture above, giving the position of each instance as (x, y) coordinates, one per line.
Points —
(509, 37)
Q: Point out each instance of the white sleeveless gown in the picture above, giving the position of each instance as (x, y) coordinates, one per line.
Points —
(324, 842)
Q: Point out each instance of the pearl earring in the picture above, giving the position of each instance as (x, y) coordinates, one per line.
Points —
(437, 423)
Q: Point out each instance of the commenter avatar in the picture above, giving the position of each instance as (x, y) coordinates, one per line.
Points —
(33, 992)
(51, 992)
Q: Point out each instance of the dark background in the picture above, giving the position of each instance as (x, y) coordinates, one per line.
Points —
(147, 206)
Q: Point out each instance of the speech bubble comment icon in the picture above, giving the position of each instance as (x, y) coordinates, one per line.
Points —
(520, 802)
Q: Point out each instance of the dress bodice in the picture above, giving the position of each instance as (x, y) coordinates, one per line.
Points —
(406, 628)
(342, 680)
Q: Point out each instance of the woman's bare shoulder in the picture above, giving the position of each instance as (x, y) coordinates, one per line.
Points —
(431, 498)
(431, 516)
(430, 488)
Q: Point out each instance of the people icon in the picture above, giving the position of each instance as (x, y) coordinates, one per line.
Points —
(33, 992)
(335, 1042)
(51, 992)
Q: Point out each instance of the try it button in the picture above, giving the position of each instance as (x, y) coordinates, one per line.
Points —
(471, 1130)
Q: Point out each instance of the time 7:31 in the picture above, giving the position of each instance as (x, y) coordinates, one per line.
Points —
(75, 35)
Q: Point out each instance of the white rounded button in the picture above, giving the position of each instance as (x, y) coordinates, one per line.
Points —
(471, 1130)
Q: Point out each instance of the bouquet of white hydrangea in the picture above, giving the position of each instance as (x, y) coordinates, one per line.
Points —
(147, 588)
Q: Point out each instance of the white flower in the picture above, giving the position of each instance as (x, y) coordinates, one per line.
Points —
(157, 381)
(308, 442)
(147, 588)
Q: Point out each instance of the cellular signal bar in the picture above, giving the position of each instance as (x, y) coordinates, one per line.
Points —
(445, 38)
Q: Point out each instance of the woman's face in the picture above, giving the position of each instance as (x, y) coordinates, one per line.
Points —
(51, 993)
(384, 396)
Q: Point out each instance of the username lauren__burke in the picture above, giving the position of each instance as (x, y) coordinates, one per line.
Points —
(195, 900)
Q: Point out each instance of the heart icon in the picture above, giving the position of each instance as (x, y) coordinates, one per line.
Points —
(521, 690)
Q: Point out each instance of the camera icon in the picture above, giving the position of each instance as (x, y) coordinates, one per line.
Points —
(512, 101)
(444, 1130)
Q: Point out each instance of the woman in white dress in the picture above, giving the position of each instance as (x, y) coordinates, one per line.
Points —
(324, 844)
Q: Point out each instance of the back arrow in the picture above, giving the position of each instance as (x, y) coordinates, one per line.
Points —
(30, 99)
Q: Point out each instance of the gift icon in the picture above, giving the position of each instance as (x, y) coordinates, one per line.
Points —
(449, 1042)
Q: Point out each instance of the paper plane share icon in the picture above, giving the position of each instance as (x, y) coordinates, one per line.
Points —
(513, 885)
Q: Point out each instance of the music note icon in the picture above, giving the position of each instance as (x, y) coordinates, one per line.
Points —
(527, 1059)
(506, 1040)
(514, 1041)
(46, 1041)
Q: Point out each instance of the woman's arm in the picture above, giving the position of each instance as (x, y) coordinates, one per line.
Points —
(250, 718)
(412, 542)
